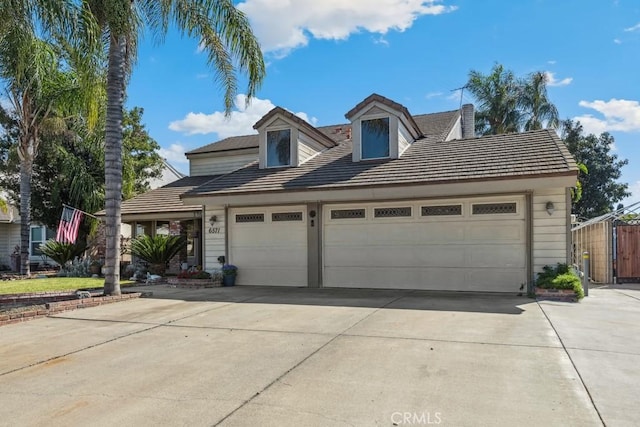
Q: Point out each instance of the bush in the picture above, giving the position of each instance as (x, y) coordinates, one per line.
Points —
(560, 277)
(62, 253)
(157, 250)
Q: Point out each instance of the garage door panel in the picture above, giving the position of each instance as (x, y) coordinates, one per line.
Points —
(268, 235)
(398, 256)
(396, 278)
(509, 256)
(479, 252)
(256, 256)
(271, 253)
(495, 232)
(271, 276)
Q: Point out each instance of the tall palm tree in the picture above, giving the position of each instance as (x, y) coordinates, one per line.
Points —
(227, 40)
(31, 71)
(537, 109)
(497, 95)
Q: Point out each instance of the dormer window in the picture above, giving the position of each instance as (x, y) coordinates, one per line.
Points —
(278, 148)
(375, 138)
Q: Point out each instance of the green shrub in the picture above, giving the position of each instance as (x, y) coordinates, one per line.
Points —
(157, 250)
(560, 277)
(62, 253)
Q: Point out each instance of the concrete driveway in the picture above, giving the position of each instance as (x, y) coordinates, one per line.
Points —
(270, 356)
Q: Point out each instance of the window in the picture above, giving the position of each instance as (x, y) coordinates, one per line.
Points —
(391, 212)
(278, 148)
(347, 214)
(258, 217)
(442, 210)
(375, 138)
(494, 208)
(39, 235)
(286, 216)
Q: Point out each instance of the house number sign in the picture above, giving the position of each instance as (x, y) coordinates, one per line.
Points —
(214, 230)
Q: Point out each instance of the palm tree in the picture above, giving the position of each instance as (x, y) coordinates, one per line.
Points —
(497, 96)
(535, 104)
(227, 40)
(35, 83)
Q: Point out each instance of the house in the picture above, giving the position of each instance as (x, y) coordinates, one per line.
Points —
(387, 200)
(10, 225)
(9, 236)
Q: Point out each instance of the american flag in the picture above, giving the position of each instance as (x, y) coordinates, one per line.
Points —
(69, 224)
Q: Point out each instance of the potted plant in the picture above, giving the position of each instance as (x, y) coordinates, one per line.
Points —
(157, 250)
(95, 267)
(229, 273)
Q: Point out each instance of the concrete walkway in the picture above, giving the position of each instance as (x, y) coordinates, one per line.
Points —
(292, 357)
(602, 337)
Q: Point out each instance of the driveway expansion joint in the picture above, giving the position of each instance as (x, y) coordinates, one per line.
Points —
(575, 368)
(279, 378)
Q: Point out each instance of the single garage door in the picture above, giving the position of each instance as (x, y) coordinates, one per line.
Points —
(269, 245)
(463, 245)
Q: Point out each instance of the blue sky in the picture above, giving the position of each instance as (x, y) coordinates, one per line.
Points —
(325, 56)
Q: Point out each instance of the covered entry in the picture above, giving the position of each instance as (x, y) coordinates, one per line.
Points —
(269, 244)
(457, 244)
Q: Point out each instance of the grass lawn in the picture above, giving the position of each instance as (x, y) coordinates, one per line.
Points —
(52, 284)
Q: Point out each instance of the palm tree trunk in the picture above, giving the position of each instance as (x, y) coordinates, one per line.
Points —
(26, 171)
(113, 163)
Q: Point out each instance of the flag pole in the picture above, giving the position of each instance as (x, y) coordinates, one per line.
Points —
(85, 213)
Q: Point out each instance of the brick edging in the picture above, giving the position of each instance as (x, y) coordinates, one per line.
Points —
(61, 306)
(567, 295)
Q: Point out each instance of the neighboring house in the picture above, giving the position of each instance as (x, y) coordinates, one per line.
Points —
(388, 200)
(9, 235)
(10, 225)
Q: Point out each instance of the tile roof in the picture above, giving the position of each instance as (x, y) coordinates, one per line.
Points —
(374, 97)
(164, 199)
(321, 137)
(429, 124)
(428, 161)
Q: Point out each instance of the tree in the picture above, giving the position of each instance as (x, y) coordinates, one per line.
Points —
(510, 104)
(226, 37)
(538, 111)
(70, 166)
(600, 190)
(31, 71)
(497, 95)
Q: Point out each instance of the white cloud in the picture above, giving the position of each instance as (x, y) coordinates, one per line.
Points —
(201, 76)
(174, 154)
(434, 95)
(619, 115)
(240, 122)
(552, 81)
(634, 28)
(617, 41)
(284, 25)
(552, 62)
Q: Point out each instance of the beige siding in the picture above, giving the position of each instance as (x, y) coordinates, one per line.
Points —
(214, 239)
(219, 165)
(549, 231)
(456, 132)
(404, 138)
(307, 148)
(9, 238)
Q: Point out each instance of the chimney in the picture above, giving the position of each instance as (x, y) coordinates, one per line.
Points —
(468, 121)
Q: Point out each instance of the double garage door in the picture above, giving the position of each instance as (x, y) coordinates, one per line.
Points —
(471, 245)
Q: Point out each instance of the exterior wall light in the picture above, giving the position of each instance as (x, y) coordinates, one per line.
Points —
(213, 219)
(550, 208)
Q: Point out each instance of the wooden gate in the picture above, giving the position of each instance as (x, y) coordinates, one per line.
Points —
(628, 253)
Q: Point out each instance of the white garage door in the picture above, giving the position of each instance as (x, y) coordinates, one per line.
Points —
(471, 245)
(269, 245)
